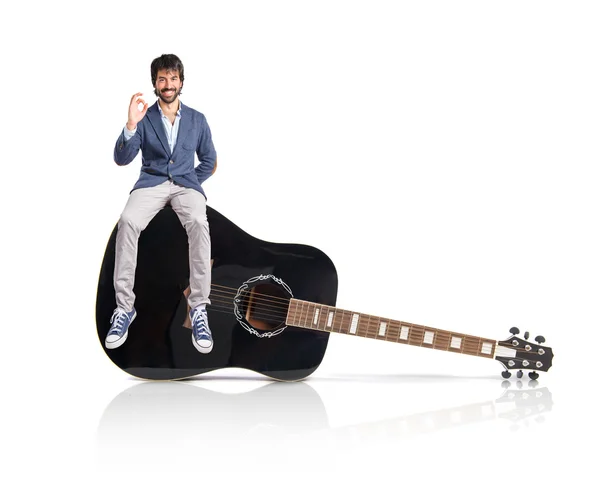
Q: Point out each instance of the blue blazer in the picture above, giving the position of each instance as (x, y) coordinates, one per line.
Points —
(158, 163)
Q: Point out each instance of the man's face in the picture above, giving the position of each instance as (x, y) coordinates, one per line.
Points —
(168, 85)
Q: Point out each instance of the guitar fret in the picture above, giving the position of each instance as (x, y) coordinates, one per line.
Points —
(298, 319)
(295, 318)
(314, 321)
(374, 326)
(354, 324)
(292, 312)
(471, 345)
(456, 343)
(306, 323)
(415, 336)
(346, 321)
(323, 317)
(338, 320)
(304, 314)
(342, 326)
(298, 313)
(315, 316)
(330, 319)
(362, 326)
(394, 331)
(288, 318)
(382, 329)
(368, 328)
(336, 324)
(487, 348)
(377, 326)
(367, 332)
(442, 340)
(301, 316)
(309, 315)
(330, 316)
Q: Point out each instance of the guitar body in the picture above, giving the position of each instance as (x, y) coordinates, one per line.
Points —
(246, 272)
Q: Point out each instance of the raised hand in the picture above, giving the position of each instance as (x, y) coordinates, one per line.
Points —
(135, 114)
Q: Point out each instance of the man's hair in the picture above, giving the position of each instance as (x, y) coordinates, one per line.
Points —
(167, 62)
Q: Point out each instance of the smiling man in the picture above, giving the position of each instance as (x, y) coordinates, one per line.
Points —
(169, 134)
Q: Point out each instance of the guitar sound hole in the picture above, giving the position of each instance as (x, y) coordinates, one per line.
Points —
(266, 306)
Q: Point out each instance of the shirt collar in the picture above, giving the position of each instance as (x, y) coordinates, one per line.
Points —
(161, 112)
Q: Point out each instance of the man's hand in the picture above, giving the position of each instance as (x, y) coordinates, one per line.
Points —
(135, 114)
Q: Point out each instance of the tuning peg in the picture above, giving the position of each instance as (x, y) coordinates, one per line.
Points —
(526, 335)
(514, 331)
(506, 374)
(533, 375)
(540, 339)
(519, 374)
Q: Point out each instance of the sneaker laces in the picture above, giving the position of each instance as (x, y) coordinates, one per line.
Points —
(199, 323)
(119, 315)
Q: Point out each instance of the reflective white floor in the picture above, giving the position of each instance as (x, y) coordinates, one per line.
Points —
(232, 431)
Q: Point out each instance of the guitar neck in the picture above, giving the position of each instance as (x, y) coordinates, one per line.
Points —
(310, 315)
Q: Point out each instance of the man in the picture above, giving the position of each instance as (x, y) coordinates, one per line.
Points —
(168, 134)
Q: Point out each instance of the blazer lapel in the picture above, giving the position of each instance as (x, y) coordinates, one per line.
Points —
(156, 122)
(185, 123)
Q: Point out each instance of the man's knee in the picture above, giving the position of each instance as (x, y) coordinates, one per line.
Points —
(129, 221)
(198, 221)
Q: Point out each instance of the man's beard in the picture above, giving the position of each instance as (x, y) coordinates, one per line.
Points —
(168, 100)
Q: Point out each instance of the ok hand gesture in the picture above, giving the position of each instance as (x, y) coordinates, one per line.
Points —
(135, 114)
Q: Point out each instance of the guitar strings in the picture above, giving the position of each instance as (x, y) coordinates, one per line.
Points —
(258, 312)
(227, 292)
(253, 297)
(262, 303)
(270, 307)
(223, 307)
(256, 293)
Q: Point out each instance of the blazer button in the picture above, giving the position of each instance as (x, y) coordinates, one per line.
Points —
(170, 162)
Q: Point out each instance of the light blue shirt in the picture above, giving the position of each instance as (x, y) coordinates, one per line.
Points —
(171, 130)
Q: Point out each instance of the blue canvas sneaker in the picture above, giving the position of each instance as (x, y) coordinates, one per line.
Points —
(201, 336)
(117, 334)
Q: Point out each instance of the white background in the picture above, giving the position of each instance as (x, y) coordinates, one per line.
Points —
(442, 153)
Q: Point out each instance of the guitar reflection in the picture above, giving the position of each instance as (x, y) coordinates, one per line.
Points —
(154, 418)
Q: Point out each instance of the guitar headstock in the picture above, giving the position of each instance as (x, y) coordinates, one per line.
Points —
(519, 353)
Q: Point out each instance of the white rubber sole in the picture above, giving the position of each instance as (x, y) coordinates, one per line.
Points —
(202, 350)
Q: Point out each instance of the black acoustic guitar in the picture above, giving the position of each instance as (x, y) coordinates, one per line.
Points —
(272, 310)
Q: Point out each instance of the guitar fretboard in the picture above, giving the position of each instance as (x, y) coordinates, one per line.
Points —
(320, 317)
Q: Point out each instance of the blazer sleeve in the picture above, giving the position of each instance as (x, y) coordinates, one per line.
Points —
(206, 153)
(126, 150)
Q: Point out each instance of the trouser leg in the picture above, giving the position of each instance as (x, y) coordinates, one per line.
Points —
(143, 204)
(190, 206)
